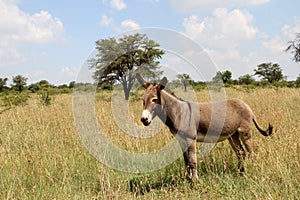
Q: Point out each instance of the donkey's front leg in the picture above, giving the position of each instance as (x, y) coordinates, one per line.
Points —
(188, 147)
(192, 159)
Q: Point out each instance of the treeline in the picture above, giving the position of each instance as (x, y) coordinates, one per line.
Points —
(19, 92)
(271, 75)
(19, 84)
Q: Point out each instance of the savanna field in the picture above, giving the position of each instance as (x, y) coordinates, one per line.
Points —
(42, 156)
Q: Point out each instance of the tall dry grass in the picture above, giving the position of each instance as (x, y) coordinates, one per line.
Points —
(42, 157)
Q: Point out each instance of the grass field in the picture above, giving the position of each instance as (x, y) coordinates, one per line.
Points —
(42, 156)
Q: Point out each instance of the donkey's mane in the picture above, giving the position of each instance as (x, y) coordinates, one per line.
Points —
(171, 93)
(174, 95)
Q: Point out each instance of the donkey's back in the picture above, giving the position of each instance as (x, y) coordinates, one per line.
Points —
(219, 120)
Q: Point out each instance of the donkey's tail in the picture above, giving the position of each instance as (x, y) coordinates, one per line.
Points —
(267, 132)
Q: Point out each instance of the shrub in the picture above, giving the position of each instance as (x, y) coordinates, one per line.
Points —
(34, 87)
(11, 100)
(45, 98)
(297, 82)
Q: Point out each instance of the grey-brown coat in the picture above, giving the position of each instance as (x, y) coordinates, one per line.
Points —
(209, 122)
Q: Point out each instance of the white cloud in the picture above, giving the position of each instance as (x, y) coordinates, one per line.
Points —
(270, 49)
(105, 20)
(274, 48)
(227, 36)
(10, 56)
(18, 27)
(129, 24)
(232, 60)
(69, 72)
(65, 69)
(274, 44)
(192, 6)
(118, 4)
(223, 30)
(289, 31)
(66, 75)
(278, 43)
(43, 28)
(173, 64)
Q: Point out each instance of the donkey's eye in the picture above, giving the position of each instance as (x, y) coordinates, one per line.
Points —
(154, 100)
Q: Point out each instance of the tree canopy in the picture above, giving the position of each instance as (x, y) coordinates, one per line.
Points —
(270, 72)
(19, 82)
(224, 76)
(118, 60)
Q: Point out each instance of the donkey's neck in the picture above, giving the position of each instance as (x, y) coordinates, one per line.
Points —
(171, 107)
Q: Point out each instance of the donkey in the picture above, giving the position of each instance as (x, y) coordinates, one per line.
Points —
(192, 122)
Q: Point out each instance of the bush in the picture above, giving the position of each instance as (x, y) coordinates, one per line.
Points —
(34, 87)
(200, 86)
(246, 79)
(11, 100)
(45, 98)
(297, 82)
(65, 90)
(264, 84)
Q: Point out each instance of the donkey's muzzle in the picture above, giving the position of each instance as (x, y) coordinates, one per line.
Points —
(146, 117)
(145, 121)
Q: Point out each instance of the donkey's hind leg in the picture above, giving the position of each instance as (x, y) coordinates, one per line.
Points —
(238, 149)
(246, 137)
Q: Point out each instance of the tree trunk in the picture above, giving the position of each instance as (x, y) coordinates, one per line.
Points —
(126, 93)
(127, 85)
(126, 89)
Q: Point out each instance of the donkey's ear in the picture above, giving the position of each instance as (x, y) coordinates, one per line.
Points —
(163, 83)
(142, 81)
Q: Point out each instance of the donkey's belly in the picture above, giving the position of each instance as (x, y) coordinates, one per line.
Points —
(211, 138)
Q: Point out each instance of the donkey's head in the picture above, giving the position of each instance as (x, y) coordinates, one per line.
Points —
(151, 99)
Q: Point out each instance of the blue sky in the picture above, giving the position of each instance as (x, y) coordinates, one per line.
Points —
(52, 39)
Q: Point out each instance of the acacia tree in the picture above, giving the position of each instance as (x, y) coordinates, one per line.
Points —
(19, 82)
(270, 72)
(294, 48)
(118, 60)
(185, 79)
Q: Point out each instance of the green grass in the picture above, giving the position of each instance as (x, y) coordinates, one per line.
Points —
(42, 157)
